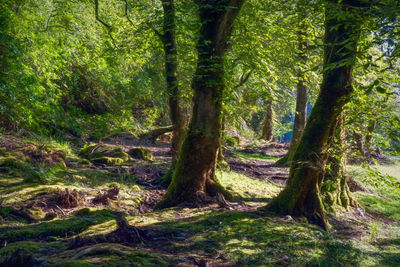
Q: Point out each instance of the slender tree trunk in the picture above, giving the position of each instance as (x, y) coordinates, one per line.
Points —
(300, 116)
(301, 196)
(268, 124)
(368, 138)
(335, 190)
(171, 70)
(195, 170)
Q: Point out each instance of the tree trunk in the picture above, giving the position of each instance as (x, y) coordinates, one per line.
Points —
(171, 70)
(268, 125)
(368, 138)
(195, 169)
(300, 116)
(301, 196)
(335, 190)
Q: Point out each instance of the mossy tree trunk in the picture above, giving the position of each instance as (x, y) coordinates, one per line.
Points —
(301, 196)
(300, 116)
(368, 137)
(335, 190)
(171, 69)
(268, 124)
(195, 169)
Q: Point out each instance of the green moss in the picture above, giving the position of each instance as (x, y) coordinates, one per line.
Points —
(86, 151)
(104, 154)
(108, 161)
(31, 247)
(110, 255)
(223, 165)
(3, 152)
(167, 178)
(55, 228)
(140, 153)
(231, 140)
(12, 163)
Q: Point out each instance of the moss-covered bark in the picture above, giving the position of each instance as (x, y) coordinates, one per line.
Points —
(195, 169)
(171, 70)
(301, 196)
(335, 190)
(268, 124)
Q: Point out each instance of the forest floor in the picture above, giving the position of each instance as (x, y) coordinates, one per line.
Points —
(63, 211)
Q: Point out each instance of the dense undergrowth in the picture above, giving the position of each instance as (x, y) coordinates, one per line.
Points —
(238, 235)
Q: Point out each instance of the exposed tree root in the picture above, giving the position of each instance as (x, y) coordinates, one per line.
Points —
(23, 214)
(20, 258)
(125, 234)
(105, 197)
(99, 248)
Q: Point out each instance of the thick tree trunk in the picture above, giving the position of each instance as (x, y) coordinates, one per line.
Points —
(300, 116)
(195, 170)
(301, 196)
(171, 70)
(335, 190)
(268, 124)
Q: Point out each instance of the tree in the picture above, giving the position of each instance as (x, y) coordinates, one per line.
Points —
(335, 189)
(268, 125)
(300, 116)
(171, 71)
(195, 169)
(301, 196)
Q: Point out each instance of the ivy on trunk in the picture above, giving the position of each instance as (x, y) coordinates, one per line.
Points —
(195, 170)
(301, 196)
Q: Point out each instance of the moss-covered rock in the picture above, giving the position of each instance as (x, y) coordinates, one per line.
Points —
(108, 161)
(230, 140)
(140, 153)
(104, 154)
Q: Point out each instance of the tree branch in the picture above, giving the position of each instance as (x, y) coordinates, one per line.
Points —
(109, 27)
(243, 79)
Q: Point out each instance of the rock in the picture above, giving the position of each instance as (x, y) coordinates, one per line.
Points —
(104, 154)
(140, 153)
(108, 161)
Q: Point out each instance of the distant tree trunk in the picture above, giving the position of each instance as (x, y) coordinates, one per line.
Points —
(300, 116)
(195, 170)
(335, 190)
(301, 196)
(171, 71)
(368, 138)
(268, 124)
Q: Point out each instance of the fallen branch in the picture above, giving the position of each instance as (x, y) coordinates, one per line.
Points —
(154, 134)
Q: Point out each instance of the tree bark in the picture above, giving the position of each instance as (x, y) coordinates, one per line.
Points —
(300, 116)
(195, 170)
(171, 71)
(268, 125)
(335, 190)
(301, 196)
